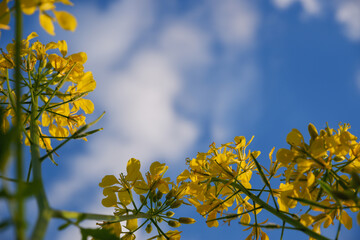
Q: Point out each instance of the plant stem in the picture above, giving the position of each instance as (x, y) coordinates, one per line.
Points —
(91, 216)
(275, 212)
(42, 202)
(20, 211)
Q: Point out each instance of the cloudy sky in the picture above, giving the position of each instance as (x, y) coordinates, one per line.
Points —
(174, 76)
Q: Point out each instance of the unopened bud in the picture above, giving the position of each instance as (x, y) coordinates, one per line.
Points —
(159, 195)
(174, 224)
(170, 214)
(312, 131)
(170, 194)
(142, 199)
(186, 220)
(43, 64)
(176, 204)
(148, 228)
(338, 158)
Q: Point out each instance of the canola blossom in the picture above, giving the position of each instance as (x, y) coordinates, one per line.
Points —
(317, 182)
(322, 176)
(47, 14)
(57, 79)
(157, 196)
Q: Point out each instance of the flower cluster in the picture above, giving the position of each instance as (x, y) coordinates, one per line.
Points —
(157, 194)
(29, 7)
(58, 80)
(211, 177)
(322, 174)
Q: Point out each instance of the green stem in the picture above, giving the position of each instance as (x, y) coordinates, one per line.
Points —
(99, 217)
(275, 212)
(20, 212)
(42, 202)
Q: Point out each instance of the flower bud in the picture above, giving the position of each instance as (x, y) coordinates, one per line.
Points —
(148, 228)
(43, 64)
(142, 199)
(170, 214)
(186, 220)
(170, 194)
(174, 224)
(176, 204)
(159, 195)
(312, 131)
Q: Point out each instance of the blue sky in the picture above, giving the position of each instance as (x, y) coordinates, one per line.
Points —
(174, 76)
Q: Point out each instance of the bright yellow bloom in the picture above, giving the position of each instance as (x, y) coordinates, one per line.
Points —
(45, 7)
(62, 108)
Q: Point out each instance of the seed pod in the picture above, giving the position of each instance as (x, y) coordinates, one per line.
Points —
(186, 220)
(159, 204)
(174, 224)
(148, 228)
(170, 214)
(176, 204)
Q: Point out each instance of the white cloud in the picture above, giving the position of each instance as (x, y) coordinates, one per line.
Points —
(140, 76)
(348, 14)
(185, 45)
(310, 7)
(108, 34)
(235, 22)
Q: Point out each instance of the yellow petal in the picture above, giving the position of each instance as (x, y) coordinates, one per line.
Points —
(45, 119)
(295, 138)
(133, 170)
(31, 36)
(245, 218)
(66, 20)
(212, 216)
(284, 156)
(62, 45)
(157, 168)
(132, 224)
(346, 220)
(80, 57)
(66, 2)
(58, 131)
(124, 197)
(310, 179)
(183, 176)
(108, 180)
(110, 200)
(46, 23)
(86, 105)
(140, 187)
(86, 83)
(4, 13)
(57, 62)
